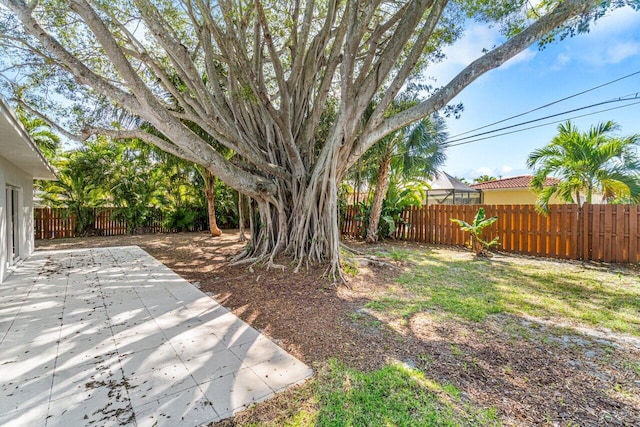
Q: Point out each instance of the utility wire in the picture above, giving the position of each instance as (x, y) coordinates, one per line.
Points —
(619, 99)
(456, 142)
(446, 145)
(549, 104)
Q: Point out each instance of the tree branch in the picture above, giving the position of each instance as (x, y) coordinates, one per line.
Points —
(563, 12)
(52, 123)
(80, 71)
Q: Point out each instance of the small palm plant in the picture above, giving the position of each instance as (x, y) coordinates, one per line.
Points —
(480, 222)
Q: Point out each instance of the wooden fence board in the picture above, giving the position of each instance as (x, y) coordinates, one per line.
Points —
(55, 223)
(634, 234)
(620, 239)
(594, 244)
(608, 233)
(575, 235)
(593, 232)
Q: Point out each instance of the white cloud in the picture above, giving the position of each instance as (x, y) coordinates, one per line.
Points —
(484, 171)
(477, 39)
(524, 56)
(504, 170)
(563, 59)
(470, 47)
(611, 39)
(622, 51)
(620, 21)
(607, 42)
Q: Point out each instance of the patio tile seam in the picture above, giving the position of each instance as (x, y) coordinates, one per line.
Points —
(24, 300)
(118, 354)
(202, 384)
(176, 350)
(100, 280)
(55, 361)
(15, 316)
(70, 271)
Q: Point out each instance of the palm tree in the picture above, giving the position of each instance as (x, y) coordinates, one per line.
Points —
(41, 133)
(594, 161)
(80, 187)
(413, 152)
(484, 178)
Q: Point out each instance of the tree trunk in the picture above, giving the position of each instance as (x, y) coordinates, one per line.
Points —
(478, 247)
(382, 185)
(241, 220)
(358, 182)
(210, 193)
(300, 220)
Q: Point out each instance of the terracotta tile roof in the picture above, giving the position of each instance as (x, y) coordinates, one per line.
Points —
(523, 181)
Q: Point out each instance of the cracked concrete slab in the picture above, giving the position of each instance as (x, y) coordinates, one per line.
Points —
(110, 336)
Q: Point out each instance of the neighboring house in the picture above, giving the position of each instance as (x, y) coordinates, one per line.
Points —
(447, 190)
(513, 191)
(20, 163)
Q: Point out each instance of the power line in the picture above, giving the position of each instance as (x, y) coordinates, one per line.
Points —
(542, 125)
(619, 99)
(549, 104)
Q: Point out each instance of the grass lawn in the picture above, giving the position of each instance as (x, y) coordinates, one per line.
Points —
(395, 395)
(455, 284)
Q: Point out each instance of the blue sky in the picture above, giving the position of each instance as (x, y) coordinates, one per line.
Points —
(534, 78)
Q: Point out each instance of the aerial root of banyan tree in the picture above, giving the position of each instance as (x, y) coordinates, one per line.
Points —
(300, 222)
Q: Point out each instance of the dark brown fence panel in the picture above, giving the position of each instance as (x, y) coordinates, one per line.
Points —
(55, 223)
(634, 233)
(611, 233)
(351, 225)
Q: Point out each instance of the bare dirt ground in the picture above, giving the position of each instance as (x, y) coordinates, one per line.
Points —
(531, 373)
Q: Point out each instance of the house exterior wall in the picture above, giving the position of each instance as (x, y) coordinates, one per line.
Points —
(514, 197)
(12, 177)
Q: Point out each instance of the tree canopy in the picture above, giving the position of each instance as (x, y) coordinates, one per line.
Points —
(260, 77)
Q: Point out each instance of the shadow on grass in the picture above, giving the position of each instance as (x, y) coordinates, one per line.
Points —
(393, 395)
(472, 289)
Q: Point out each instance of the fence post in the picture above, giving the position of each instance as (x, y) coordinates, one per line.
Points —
(634, 234)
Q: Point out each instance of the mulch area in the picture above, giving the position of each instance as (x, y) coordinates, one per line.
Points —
(531, 374)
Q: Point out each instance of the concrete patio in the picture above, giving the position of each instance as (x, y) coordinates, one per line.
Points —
(111, 336)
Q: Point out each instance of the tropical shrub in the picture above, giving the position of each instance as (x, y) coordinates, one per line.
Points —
(180, 219)
(226, 206)
(480, 222)
(393, 205)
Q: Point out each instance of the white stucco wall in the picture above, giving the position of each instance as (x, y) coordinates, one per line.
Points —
(11, 176)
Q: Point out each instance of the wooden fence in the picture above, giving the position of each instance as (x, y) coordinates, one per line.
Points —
(55, 223)
(609, 233)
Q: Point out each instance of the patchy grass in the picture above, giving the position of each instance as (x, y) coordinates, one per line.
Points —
(366, 320)
(349, 263)
(456, 283)
(633, 367)
(395, 395)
